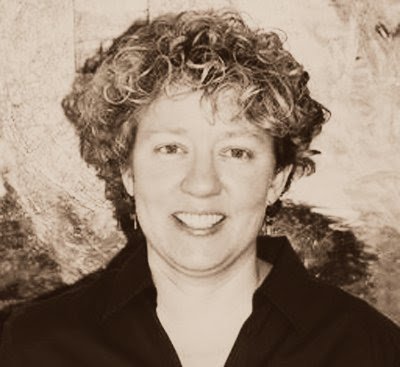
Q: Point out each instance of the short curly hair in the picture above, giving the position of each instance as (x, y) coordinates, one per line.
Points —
(211, 51)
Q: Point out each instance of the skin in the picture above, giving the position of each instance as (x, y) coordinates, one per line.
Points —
(187, 159)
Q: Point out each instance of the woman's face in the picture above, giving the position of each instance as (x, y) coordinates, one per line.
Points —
(201, 182)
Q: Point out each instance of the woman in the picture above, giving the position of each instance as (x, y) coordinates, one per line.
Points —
(198, 124)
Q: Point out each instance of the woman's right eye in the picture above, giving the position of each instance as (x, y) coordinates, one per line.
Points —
(169, 149)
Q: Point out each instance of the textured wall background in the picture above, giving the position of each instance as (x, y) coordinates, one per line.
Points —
(55, 225)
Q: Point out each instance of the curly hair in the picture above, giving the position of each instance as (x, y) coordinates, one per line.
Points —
(211, 51)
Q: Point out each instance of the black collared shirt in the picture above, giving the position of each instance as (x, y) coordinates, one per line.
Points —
(112, 321)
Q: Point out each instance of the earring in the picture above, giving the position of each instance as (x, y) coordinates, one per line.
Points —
(134, 219)
(270, 217)
(267, 224)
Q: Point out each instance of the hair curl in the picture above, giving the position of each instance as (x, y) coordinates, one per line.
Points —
(210, 51)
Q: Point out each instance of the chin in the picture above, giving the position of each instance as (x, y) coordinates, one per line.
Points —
(199, 269)
(202, 264)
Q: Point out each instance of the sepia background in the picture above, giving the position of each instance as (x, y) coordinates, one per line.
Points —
(55, 224)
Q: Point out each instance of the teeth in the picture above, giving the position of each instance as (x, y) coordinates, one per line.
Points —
(199, 221)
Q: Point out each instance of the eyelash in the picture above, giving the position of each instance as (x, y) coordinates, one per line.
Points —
(163, 149)
(249, 154)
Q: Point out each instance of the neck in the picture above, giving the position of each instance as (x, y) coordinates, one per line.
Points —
(182, 295)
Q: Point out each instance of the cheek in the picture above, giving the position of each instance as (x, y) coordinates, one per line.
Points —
(251, 198)
(250, 186)
(154, 182)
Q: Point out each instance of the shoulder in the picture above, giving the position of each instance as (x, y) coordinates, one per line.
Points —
(355, 325)
(73, 310)
(71, 305)
(331, 326)
(341, 303)
(38, 317)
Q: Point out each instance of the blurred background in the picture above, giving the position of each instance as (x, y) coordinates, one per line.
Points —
(55, 224)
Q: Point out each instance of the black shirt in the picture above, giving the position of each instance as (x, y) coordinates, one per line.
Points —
(112, 321)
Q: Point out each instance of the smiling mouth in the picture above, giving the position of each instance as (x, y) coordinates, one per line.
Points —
(199, 221)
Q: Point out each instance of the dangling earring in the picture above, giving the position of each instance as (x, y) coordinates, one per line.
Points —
(268, 222)
(270, 217)
(134, 219)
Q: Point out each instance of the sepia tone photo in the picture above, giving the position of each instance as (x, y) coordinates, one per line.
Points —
(197, 183)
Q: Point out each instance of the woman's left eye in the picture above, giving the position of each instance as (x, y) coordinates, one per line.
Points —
(239, 153)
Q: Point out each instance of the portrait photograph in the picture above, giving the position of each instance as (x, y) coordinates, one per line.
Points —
(200, 183)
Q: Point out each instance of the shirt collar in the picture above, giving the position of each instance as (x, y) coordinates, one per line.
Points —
(129, 279)
(288, 287)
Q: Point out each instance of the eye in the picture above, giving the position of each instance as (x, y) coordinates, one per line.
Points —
(239, 153)
(170, 149)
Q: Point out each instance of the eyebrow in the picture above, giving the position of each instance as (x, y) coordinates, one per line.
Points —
(176, 131)
(244, 133)
(228, 135)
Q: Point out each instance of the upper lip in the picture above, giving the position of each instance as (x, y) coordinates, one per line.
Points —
(201, 212)
(182, 217)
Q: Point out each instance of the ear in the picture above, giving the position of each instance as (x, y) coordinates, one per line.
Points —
(278, 184)
(127, 179)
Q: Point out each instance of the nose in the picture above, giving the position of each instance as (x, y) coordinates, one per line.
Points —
(201, 179)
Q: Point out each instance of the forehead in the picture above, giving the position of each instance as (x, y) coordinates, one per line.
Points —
(186, 110)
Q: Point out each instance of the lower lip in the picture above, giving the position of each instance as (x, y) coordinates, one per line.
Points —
(199, 232)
